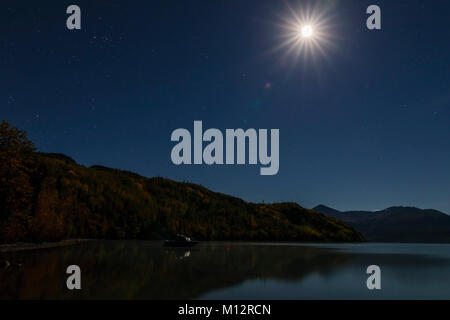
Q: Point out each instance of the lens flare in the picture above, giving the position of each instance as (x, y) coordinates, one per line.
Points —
(307, 31)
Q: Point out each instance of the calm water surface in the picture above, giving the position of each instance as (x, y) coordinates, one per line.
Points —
(218, 270)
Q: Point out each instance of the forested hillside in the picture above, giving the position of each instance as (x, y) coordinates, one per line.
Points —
(49, 197)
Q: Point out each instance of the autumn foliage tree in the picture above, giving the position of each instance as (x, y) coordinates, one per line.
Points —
(16, 189)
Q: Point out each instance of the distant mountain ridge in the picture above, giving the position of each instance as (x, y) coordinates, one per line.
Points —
(396, 224)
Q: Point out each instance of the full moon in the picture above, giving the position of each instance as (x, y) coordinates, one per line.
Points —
(306, 31)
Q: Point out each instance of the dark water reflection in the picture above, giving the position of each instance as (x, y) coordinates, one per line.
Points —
(147, 270)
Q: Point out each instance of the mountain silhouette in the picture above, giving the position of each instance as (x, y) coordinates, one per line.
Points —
(49, 197)
(396, 224)
(68, 200)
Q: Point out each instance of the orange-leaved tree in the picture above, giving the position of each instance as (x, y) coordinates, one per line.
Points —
(16, 190)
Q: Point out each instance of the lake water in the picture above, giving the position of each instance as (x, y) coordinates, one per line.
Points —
(219, 270)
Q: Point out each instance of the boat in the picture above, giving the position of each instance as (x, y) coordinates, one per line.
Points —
(180, 241)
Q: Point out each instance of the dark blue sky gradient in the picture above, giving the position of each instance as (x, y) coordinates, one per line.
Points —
(366, 125)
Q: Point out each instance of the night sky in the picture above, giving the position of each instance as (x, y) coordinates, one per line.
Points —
(364, 118)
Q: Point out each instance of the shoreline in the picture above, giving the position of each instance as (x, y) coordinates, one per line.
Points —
(23, 246)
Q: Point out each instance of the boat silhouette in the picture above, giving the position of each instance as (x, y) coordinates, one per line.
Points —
(180, 241)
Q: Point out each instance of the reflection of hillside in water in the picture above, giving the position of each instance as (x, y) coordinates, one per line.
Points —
(146, 270)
